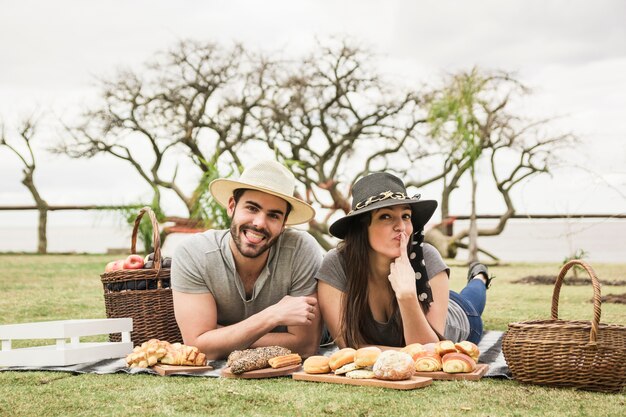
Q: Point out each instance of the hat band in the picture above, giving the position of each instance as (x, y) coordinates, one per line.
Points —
(382, 196)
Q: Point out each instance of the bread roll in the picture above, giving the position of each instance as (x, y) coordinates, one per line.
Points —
(316, 365)
(428, 362)
(469, 348)
(444, 346)
(413, 349)
(341, 358)
(366, 356)
(394, 365)
(454, 363)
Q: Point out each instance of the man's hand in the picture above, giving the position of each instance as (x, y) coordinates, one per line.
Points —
(295, 311)
(401, 275)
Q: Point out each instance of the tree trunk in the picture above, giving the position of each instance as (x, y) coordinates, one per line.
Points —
(473, 228)
(444, 244)
(42, 207)
(42, 246)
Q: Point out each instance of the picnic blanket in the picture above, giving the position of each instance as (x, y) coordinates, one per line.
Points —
(490, 347)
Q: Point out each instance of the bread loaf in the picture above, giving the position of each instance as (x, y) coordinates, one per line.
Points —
(252, 359)
(394, 365)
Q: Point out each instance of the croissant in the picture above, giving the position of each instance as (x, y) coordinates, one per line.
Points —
(469, 348)
(148, 354)
(413, 349)
(154, 350)
(179, 354)
(454, 363)
(444, 346)
(428, 362)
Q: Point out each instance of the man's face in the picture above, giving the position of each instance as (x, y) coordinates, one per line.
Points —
(257, 221)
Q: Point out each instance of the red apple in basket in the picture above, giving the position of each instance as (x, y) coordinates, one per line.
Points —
(114, 266)
(133, 262)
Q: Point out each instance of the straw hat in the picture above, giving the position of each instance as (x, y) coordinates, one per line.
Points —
(269, 177)
(379, 190)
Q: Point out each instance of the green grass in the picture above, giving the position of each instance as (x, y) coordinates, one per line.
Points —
(53, 287)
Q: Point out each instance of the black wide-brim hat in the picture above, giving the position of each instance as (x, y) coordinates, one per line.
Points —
(379, 190)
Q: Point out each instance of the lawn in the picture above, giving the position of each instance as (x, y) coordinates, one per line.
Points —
(53, 287)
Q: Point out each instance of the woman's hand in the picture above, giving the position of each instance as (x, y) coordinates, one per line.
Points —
(401, 275)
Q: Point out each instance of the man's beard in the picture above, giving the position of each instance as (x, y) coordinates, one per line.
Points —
(249, 250)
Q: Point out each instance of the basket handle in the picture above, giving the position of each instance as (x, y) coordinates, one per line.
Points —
(156, 238)
(597, 302)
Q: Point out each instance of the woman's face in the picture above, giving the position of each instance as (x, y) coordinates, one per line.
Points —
(387, 225)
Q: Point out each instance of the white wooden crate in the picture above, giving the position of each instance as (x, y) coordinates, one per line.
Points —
(63, 353)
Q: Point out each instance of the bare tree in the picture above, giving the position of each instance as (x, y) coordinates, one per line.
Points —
(471, 118)
(27, 131)
(193, 103)
(333, 118)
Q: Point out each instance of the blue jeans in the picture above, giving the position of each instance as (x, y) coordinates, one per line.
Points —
(472, 300)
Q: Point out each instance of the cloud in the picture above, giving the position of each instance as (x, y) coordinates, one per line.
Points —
(512, 33)
(573, 53)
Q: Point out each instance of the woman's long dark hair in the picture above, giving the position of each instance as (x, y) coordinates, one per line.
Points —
(357, 321)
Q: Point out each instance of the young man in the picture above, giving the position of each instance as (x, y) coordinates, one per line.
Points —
(252, 285)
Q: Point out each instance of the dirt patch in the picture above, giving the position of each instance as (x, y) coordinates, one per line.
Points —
(551, 279)
(614, 298)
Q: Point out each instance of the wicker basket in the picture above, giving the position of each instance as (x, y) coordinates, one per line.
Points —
(562, 353)
(149, 302)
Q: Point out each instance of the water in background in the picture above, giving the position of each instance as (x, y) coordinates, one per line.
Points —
(522, 240)
(552, 240)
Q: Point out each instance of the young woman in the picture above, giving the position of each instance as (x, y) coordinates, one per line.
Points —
(383, 285)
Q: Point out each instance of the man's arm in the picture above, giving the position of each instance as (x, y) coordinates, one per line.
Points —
(302, 339)
(196, 315)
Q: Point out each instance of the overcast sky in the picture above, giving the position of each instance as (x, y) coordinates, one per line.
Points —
(572, 53)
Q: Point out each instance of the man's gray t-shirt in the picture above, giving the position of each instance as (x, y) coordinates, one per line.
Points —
(204, 263)
(457, 328)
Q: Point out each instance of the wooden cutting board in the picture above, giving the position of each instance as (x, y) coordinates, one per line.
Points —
(414, 382)
(165, 370)
(475, 375)
(262, 373)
